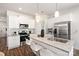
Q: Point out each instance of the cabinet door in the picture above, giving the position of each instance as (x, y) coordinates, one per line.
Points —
(13, 22)
(46, 52)
(10, 42)
(13, 42)
(16, 40)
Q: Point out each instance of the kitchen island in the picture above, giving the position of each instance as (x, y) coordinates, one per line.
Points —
(57, 47)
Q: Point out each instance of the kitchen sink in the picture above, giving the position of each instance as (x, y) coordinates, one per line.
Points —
(61, 40)
(51, 39)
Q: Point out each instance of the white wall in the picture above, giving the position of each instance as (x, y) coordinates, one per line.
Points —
(42, 21)
(50, 22)
(14, 19)
(75, 27)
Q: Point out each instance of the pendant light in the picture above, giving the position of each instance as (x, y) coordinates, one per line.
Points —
(56, 12)
(37, 13)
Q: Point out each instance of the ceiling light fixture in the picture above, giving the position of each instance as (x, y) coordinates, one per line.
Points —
(20, 8)
(56, 12)
(37, 13)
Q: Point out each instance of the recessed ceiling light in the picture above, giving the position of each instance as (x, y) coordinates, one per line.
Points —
(20, 8)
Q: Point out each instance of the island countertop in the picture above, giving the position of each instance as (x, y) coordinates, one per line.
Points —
(63, 46)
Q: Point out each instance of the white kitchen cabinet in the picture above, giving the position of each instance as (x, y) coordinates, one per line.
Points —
(46, 52)
(52, 21)
(15, 19)
(13, 22)
(13, 41)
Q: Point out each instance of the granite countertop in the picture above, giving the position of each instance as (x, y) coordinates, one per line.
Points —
(64, 46)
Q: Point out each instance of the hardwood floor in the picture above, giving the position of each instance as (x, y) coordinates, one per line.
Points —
(76, 52)
(20, 51)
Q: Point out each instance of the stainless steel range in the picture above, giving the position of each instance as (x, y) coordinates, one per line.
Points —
(24, 32)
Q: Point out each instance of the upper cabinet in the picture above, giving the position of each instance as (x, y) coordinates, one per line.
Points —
(13, 22)
(15, 19)
(52, 21)
(63, 18)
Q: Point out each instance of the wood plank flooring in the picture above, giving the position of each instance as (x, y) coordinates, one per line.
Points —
(24, 50)
(76, 52)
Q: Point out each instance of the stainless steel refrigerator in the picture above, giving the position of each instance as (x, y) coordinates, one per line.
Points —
(62, 30)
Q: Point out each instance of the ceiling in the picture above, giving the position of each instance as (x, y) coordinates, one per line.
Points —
(32, 8)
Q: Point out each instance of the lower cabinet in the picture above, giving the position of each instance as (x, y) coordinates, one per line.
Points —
(46, 52)
(13, 42)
